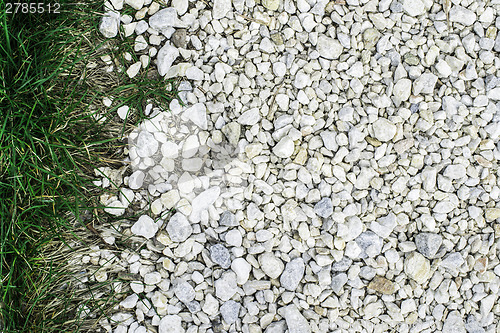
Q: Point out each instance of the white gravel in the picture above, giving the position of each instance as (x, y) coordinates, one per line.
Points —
(332, 167)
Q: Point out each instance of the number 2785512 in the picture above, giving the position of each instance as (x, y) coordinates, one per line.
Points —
(32, 8)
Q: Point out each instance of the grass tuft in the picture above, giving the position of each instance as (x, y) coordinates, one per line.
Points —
(51, 82)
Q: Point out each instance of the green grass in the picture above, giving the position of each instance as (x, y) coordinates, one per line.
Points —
(49, 146)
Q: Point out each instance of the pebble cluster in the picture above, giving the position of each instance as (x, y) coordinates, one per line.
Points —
(361, 184)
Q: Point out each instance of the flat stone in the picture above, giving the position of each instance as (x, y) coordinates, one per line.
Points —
(293, 273)
(382, 285)
(417, 267)
(428, 244)
(145, 227)
(178, 228)
(249, 117)
(383, 226)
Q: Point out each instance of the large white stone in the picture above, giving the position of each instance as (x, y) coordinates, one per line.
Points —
(145, 227)
(166, 57)
(171, 324)
(284, 148)
(220, 8)
(384, 130)
(329, 48)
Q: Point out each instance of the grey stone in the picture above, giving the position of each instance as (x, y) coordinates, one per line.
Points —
(295, 321)
(184, 292)
(342, 265)
(220, 255)
(178, 228)
(370, 244)
(338, 282)
(228, 219)
(230, 311)
(293, 273)
(179, 38)
(454, 323)
(324, 207)
(428, 244)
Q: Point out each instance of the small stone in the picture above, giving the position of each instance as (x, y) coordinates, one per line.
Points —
(417, 267)
(384, 225)
(370, 244)
(178, 228)
(242, 269)
(152, 278)
(232, 131)
(220, 8)
(146, 145)
(194, 73)
(462, 15)
(302, 80)
(284, 148)
(109, 24)
(329, 48)
(473, 326)
(454, 323)
(226, 286)
(424, 83)
(401, 91)
(230, 311)
(164, 19)
(414, 7)
(293, 273)
(197, 113)
(428, 244)
(338, 282)
(271, 4)
(184, 292)
(384, 130)
(181, 6)
(165, 58)
(492, 214)
(145, 227)
(136, 4)
(295, 321)
(179, 38)
(228, 219)
(220, 255)
(122, 112)
(455, 171)
(171, 324)
(271, 265)
(250, 117)
(130, 301)
(324, 207)
(382, 285)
